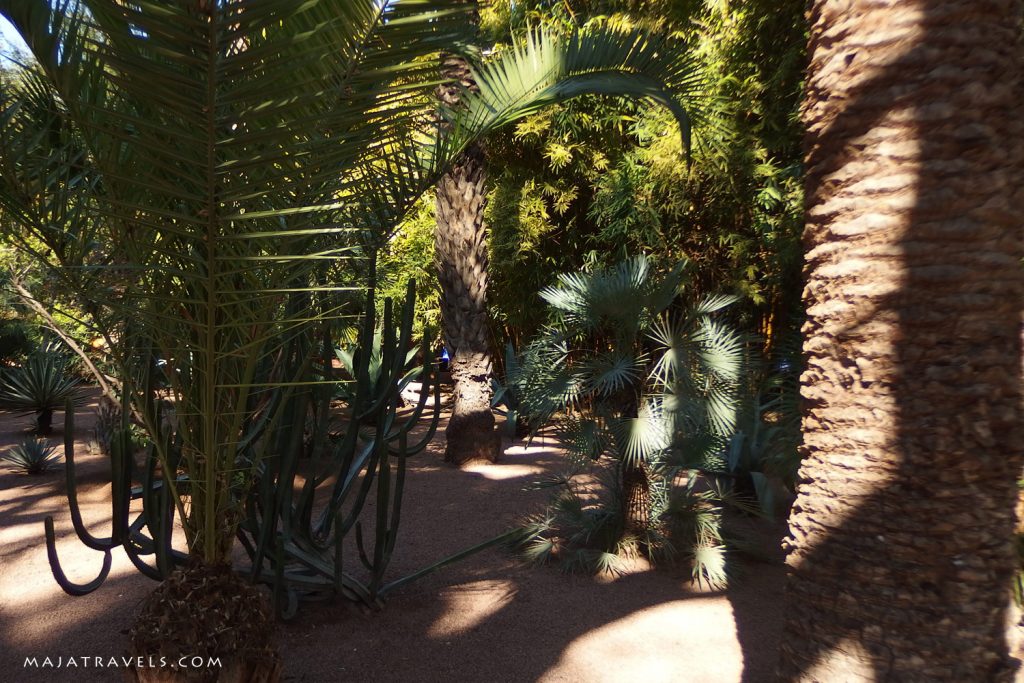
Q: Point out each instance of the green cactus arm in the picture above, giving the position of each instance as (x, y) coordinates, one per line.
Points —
(67, 585)
(90, 541)
(396, 501)
(434, 419)
(440, 564)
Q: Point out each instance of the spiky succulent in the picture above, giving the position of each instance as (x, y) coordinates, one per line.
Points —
(39, 387)
(32, 456)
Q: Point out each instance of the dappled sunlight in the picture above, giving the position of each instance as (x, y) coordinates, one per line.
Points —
(470, 606)
(33, 605)
(27, 585)
(540, 448)
(847, 661)
(650, 645)
(500, 472)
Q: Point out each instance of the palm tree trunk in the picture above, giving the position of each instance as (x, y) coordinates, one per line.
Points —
(636, 499)
(461, 250)
(900, 539)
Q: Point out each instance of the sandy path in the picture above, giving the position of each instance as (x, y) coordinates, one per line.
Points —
(485, 619)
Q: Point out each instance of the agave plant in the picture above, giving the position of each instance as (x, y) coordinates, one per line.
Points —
(39, 387)
(32, 456)
(347, 356)
(761, 456)
(648, 389)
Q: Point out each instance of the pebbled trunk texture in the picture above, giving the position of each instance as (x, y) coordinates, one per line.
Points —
(900, 551)
(461, 252)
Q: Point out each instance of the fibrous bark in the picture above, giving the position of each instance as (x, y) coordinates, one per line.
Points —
(636, 498)
(461, 251)
(900, 539)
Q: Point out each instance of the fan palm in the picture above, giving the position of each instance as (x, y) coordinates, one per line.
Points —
(199, 172)
(650, 385)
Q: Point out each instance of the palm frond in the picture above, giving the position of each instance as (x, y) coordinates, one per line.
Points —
(546, 69)
(583, 439)
(612, 371)
(641, 439)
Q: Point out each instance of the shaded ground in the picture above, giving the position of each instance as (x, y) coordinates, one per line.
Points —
(485, 619)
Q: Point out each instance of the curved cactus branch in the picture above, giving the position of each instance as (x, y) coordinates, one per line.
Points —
(94, 543)
(144, 568)
(396, 510)
(67, 585)
(411, 421)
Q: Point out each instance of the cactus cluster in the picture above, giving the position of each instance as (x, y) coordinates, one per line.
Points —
(294, 537)
(296, 543)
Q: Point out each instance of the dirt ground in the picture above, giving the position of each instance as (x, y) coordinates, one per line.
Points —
(486, 619)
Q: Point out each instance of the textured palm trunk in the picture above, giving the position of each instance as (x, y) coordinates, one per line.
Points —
(636, 499)
(461, 250)
(900, 556)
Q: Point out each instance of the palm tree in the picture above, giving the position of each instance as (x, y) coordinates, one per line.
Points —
(188, 171)
(900, 539)
(461, 254)
(205, 176)
(647, 385)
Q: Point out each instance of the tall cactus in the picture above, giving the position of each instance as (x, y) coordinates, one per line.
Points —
(299, 554)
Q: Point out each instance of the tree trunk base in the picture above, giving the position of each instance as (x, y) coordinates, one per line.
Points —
(44, 422)
(470, 434)
(472, 438)
(204, 614)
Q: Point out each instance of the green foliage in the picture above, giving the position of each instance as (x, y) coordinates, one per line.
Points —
(32, 456)
(19, 334)
(573, 533)
(110, 424)
(300, 537)
(377, 374)
(409, 255)
(215, 182)
(588, 181)
(297, 552)
(40, 386)
(763, 449)
(643, 388)
(510, 397)
(16, 339)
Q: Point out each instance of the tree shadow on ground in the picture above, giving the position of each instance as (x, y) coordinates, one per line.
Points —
(486, 618)
(492, 618)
